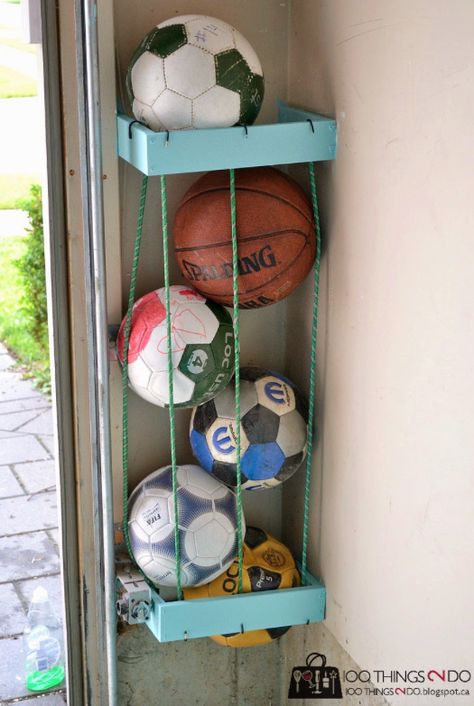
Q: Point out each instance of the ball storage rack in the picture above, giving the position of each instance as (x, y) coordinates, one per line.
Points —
(298, 137)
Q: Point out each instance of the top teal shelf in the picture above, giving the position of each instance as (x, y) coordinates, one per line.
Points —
(299, 136)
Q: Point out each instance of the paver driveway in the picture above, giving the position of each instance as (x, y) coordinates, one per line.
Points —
(29, 554)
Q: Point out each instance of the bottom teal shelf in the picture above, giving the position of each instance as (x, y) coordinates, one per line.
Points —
(183, 620)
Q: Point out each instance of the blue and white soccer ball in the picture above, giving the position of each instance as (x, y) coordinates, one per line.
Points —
(207, 516)
(273, 431)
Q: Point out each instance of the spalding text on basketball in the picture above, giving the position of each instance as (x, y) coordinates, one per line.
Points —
(255, 262)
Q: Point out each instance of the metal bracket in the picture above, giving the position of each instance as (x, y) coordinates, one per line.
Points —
(133, 597)
(112, 333)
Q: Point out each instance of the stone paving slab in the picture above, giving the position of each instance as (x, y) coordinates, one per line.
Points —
(42, 424)
(12, 421)
(36, 476)
(13, 619)
(19, 389)
(9, 376)
(28, 449)
(53, 699)
(12, 435)
(54, 534)
(27, 556)
(12, 679)
(48, 442)
(36, 402)
(28, 513)
(16, 389)
(6, 361)
(12, 375)
(29, 553)
(8, 483)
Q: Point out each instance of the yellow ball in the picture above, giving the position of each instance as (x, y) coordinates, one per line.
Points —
(267, 565)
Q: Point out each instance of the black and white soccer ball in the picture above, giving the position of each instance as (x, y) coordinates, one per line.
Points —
(195, 71)
(207, 518)
(273, 432)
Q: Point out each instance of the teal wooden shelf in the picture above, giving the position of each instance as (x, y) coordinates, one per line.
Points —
(299, 136)
(182, 620)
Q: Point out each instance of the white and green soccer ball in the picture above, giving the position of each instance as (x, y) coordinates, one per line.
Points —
(195, 71)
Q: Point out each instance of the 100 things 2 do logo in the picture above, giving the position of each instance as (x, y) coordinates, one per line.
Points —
(315, 680)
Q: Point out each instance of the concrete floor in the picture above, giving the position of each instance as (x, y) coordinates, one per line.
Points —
(29, 554)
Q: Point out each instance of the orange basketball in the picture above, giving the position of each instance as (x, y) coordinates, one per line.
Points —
(275, 232)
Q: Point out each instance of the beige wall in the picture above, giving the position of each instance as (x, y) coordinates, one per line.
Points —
(398, 443)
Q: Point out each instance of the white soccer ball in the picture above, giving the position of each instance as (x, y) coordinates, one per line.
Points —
(207, 517)
(202, 342)
(195, 71)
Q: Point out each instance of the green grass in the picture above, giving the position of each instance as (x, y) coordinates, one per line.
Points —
(13, 323)
(13, 84)
(15, 188)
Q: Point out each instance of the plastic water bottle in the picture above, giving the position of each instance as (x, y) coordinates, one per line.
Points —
(43, 644)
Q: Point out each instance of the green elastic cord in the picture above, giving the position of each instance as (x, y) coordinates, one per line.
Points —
(312, 374)
(235, 288)
(126, 341)
(164, 224)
